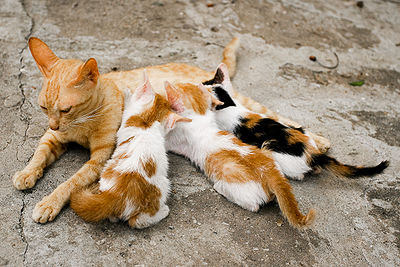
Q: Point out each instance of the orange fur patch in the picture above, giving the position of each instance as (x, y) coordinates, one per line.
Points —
(149, 167)
(193, 98)
(158, 111)
(127, 140)
(101, 147)
(252, 120)
(296, 136)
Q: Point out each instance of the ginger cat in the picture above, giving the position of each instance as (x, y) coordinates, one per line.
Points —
(292, 148)
(240, 172)
(134, 185)
(86, 107)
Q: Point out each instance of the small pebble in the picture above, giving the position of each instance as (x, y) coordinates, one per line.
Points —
(210, 4)
(313, 58)
(360, 4)
(279, 223)
(214, 29)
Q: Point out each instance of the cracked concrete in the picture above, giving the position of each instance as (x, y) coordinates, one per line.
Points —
(358, 220)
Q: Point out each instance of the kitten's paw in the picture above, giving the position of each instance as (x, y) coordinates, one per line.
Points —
(322, 143)
(46, 210)
(298, 177)
(26, 179)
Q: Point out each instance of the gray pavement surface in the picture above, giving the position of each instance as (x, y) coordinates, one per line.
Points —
(358, 220)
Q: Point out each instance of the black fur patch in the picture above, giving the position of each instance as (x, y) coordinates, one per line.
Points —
(325, 161)
(223, 96)
(270, 134)
(218, 78)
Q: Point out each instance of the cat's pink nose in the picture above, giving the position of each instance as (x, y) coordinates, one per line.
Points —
(54, 124)
(54, 127)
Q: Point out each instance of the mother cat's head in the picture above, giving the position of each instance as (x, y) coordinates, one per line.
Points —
(69, 86)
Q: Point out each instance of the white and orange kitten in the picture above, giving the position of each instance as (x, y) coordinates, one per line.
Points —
(240, 172)
(134, 185)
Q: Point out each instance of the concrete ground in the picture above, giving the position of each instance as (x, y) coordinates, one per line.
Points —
(358, 220)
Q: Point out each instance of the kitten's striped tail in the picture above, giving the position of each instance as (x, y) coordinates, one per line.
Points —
(229, 55)
(327, 162)
(93, 207)
(288, 204)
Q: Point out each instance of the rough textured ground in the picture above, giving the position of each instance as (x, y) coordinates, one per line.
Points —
(358, 220)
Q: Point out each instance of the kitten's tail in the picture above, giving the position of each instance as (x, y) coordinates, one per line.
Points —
(327, 162)
(93, 207)
(288, 204)
(229, 55)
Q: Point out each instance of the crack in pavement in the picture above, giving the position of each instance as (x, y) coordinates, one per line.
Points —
(24, 117)
(21, 227)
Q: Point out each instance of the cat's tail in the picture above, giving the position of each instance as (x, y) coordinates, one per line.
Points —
(330, 163)
(229, 55)
(288, 204)
(93, 207)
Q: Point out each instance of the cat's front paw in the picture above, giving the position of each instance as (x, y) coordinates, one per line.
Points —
(26, 179)
(46, 210)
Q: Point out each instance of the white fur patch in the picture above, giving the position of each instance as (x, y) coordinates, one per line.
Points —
(311, 141)
(199, 138)
(228, 118)
(248, 195)
(145, 220)
(291, 166)
(106, 184)
(129, 208)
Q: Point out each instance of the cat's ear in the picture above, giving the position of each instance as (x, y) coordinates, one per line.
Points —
(146, 89)
(174, 118)
(173, 97)
(44, 57)
(89, 72)
(223, 76)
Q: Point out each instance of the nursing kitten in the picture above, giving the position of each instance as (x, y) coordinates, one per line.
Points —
(292, 148)
(134, 185)
(85, 107)
(240, 172)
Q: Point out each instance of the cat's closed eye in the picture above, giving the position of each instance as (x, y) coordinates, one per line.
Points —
(44, 109)
(65, 110)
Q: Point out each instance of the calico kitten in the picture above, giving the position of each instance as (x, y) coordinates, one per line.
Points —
(134, 185)
(242, 173)
(292, 148)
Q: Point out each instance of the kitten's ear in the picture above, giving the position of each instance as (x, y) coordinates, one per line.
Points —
(44, 57)
(174, 118)
(223, 72)
(89, 72)
(173, 97)
(146, 89)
